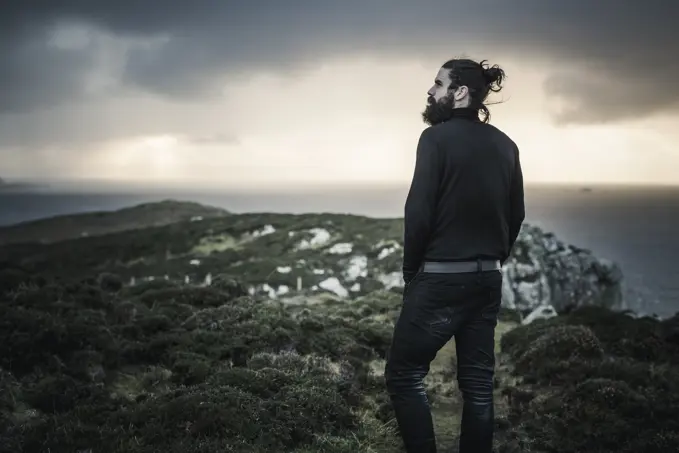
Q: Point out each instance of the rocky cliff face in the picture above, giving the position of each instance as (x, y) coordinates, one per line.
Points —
(544, 272)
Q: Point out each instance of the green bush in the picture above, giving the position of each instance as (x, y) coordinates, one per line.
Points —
(594, 381)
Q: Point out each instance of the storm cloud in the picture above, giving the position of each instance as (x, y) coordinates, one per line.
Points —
(610, 60)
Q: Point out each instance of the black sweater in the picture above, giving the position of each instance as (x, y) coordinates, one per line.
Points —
(466, 199)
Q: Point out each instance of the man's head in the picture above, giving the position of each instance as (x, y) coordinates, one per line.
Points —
(461, 83)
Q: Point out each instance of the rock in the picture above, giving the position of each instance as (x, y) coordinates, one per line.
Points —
(508, 297)
(542, 312)
(545, 271)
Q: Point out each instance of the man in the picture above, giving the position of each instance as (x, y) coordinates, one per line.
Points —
(462, 216)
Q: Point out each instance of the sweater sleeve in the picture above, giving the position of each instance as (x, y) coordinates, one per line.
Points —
(420, 206)
(517, 208)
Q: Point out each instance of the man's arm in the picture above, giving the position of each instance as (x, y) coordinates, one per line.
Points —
(420, 206)
(517, 208)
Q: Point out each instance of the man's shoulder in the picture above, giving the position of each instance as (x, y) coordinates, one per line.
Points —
(429, 131)
(496, 130)
(501, 135)
(450, 133)
(430, 138)
(436, 133)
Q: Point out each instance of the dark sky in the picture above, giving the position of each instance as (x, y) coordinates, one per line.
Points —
(610, 60)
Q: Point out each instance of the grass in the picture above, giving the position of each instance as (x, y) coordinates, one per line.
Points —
(90, 364)
(214, 244)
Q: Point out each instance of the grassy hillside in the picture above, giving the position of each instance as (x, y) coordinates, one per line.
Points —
(275, 254)
(259, 248)
(89, 363)
(104, 222)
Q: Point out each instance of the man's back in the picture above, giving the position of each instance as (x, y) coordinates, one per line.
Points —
(466, 200)
(479, 166)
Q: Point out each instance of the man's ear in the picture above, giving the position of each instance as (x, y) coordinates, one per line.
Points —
(461, 93)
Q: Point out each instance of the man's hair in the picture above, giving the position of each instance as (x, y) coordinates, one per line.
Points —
(479, 77)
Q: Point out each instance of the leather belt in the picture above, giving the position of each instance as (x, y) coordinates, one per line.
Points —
(458, 267)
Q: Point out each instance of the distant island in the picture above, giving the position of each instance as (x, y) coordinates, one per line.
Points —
(6, 185)
(179, 327)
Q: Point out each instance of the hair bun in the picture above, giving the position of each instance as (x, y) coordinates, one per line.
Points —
(493, 75)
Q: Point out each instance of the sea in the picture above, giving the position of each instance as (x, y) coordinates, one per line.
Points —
(635, 226)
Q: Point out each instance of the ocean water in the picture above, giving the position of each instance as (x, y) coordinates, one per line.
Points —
(638, 227)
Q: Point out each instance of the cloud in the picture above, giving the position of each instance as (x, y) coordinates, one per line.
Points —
(607, 60)
(34, 72)
(213, 139)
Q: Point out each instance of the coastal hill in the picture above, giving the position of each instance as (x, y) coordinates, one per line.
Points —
(286, 255)
(196, 336)
(97, 223)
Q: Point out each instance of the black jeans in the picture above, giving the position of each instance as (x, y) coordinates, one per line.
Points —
(437, 307)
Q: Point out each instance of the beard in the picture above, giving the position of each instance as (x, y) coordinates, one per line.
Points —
(438, 112)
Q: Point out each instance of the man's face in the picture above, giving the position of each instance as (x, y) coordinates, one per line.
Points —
(440, 99)
(441, 87)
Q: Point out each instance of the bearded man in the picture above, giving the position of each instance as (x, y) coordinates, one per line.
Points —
(462, 216)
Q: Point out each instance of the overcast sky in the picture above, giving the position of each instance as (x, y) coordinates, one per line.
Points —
(265, 92)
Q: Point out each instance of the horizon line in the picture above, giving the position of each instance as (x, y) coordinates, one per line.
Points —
(98, 184)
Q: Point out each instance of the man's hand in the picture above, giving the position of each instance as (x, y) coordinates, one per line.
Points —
(408, 277)
(407, 280)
